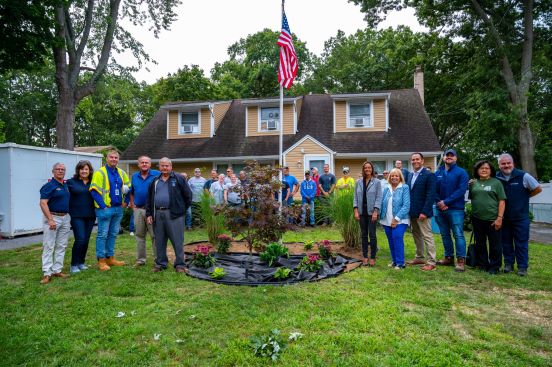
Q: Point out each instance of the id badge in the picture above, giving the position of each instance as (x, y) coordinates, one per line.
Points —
(117, 192)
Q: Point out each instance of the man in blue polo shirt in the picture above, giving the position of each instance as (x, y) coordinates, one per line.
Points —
(451, 185)
(293, 186)
(54, 203)
(140, 182)
(519, 187)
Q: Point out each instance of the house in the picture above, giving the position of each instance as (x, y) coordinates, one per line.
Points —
(342, 130)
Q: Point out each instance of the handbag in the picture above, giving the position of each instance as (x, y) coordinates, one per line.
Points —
(471, 259)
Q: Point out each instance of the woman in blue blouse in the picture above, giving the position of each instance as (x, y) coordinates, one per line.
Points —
(394, 215)
(81, 209)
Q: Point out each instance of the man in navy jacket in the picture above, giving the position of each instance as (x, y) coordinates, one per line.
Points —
(422, 196)
(451, 187)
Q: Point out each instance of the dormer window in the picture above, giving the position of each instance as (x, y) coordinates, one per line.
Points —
(270, 119)
(360, 115)
(188, 123)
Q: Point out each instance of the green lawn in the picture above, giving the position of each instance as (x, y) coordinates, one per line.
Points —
(369, 317)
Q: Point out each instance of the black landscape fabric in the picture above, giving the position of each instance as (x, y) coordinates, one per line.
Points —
(259, 273)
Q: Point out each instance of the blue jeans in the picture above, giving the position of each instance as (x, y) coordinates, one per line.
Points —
(109, 222)
(395, 237)
(82, 227)
(515, 242)
(189, 217)
(131, 227)
(304, 212)
(452, 220)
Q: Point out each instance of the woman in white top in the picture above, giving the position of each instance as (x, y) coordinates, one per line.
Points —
(394, 215)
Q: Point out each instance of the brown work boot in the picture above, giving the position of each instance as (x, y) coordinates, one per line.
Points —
(45, 279)
(460, 262)
(372, 262)
(428, 267)
(447, 261)
(102, 265)
(60, 275)
(416, 262)
(112, 262)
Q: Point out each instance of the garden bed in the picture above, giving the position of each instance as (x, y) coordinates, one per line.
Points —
(239, 270)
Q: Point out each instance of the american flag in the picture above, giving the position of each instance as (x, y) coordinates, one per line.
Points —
(288, 58)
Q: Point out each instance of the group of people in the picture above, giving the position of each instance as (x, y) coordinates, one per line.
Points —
(500, 213)
(164, 204)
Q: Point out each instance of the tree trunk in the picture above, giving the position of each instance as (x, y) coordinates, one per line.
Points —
(526, 145)
(65, 120)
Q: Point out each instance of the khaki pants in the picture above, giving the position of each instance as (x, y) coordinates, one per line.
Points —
(141, 229)
(421, 231)
(54, 243)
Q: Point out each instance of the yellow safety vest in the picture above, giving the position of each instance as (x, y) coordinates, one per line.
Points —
(100, 183)
(342, 182)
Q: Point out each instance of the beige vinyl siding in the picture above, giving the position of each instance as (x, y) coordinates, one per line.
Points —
(205, 125)
(355, 167)
(220, 110)
(205, 167)
(341, 117)
(253, 121)
(429, 162)
(295, 155)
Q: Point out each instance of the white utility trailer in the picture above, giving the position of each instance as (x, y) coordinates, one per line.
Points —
(23, 171)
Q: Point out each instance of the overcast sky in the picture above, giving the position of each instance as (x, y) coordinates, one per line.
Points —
(204, 29)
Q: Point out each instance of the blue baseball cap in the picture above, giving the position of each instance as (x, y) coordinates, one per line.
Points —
(451, 151)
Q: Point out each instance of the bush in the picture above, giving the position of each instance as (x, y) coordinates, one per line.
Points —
(311, 263)
(340, 212)
(214, 222)
(272, 252)
(217, 273)
(223, 243)
(282, 273)
(202, 258)
(325, 249)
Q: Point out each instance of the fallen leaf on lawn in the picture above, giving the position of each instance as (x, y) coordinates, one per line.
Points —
(295, 335)
(156, 336)
(191, 317)
(179, 341)
(120, 314)
(133, 313)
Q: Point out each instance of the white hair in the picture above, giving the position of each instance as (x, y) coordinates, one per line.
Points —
(505, 155)
(165, 160)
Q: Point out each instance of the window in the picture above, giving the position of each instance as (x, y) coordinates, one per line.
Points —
(189, 123)
(379, 166)
(360, 115)
(270, 119)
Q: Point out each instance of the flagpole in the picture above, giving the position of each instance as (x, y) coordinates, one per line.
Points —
(281, 137)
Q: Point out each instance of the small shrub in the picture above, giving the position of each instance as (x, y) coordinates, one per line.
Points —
(268, 345)
(223, 243)
(214, 222)
(311, 263)
(217, 273)
(282, 273)
(273, 251)
(309, 244)
(325, 249)
(202, 258)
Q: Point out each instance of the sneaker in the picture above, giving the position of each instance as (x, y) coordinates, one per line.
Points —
(391, 265)
(522, 272)
(74, 269)
(82, 266)
(398, 267)
(131, 233)
(508, 268)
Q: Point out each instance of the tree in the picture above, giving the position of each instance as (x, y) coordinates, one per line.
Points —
(28, 106)
(86, 32)
(252, 68)
(506, 28)
(25, 37)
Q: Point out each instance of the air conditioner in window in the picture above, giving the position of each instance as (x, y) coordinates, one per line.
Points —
(359, 122)
(272, 125)
(188, 129)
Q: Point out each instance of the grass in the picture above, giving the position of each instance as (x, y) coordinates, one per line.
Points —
(369, 317)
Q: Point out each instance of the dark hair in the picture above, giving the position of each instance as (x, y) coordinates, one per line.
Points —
(418, 153)
(478, 166)
(374, 173)
(81, 165)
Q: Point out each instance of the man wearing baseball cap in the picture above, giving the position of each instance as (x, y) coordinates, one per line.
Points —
(451, 186)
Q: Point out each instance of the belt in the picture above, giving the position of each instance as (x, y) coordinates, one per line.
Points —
(162, 208)
(58, 214)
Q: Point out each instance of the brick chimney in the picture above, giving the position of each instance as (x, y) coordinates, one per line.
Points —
(419, 81)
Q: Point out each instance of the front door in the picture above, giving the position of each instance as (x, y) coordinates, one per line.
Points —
(318, 161)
